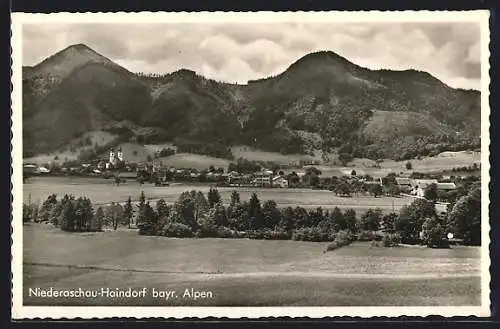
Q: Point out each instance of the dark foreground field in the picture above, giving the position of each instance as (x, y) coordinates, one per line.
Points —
(244, 272)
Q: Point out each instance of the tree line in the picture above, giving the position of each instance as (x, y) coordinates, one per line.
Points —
(195, 214)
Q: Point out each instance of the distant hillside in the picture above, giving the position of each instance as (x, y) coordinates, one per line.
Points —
(321, 102)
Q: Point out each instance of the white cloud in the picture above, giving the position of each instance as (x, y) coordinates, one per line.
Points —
(464, 83)
(239, 52)
(474, 54)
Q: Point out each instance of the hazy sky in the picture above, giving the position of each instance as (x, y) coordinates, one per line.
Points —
(239, 52)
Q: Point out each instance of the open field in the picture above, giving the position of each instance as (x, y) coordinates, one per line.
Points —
(443, 162)
(196, 161)
(73, 148)
(244, 272)
(101, 191)
(249, 153)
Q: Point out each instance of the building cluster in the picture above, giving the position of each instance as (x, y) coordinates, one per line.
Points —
(35, 169)
(417, 187)
(264, 178)
(115, 159)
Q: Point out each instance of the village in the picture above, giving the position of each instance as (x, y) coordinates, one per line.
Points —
(115, 166)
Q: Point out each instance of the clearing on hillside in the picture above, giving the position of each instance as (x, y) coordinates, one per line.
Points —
(250, 153)
(72, 149)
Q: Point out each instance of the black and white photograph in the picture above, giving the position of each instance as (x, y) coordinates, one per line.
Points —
(250, 164)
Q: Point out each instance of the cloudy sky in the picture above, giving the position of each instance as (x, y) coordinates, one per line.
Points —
(239, 52)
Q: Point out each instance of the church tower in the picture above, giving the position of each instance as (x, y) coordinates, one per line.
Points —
(112, 156)
(120, 154)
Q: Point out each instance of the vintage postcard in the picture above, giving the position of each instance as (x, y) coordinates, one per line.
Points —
(267, 164)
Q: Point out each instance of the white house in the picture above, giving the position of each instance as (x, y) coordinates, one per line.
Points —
(404, 184)
(402, 181)
(280, 181)
(43, 170)
(419, 186)
(263, 178)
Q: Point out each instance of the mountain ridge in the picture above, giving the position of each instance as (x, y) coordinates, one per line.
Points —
(322, 93)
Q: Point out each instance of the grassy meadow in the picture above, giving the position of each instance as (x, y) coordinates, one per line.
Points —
(242, 272)
(102, 191)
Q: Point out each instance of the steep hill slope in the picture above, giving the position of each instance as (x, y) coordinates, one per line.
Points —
(326, 94)
(93, 96)
(322, 95)
(190, 107)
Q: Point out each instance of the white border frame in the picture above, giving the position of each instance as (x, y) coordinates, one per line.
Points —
(19, 311)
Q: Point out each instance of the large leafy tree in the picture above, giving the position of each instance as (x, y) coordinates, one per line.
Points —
(235, 198)
(185, 210)
(412, 217)
(255, 212)
(67, 217)
(128, 211)
(57, 209)
(338, 220)
(376, 190)
(162, 208)
(44, 214)
(431, 192)
(286, 222)
(238, 217)
(83, 214)
(233, 205)
(271, 214)
(370, 220)
(342, 188)
(147, 220)
(464, 220)
(142, 202)
(433, 233)
(213, 197)
(350, 220)
(202, 204)
(98, 220)
(389, 222)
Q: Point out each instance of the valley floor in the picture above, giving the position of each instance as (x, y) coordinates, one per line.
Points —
(244, 272)
(102, 191)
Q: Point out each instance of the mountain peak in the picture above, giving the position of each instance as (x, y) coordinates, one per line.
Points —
(79, 46)
(323, 55)
(64, 61)
(185, 73)
(321, 61)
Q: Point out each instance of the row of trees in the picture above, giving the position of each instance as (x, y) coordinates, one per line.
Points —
(78, 215)
(68, 213)
(197, 215)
